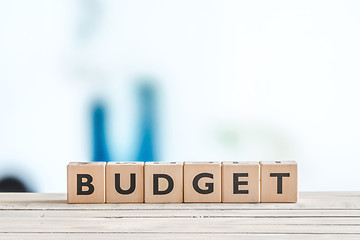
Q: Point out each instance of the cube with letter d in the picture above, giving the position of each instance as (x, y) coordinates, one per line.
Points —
(163, 182)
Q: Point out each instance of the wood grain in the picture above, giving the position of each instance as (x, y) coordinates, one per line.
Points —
(317, 215)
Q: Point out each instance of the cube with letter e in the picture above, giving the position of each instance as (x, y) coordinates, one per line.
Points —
(240, 182)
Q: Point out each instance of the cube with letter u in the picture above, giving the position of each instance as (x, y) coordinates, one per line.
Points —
(125, 182)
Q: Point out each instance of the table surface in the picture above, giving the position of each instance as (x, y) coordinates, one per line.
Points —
(317, 215)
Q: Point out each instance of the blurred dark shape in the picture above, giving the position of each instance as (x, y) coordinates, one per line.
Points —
(12, 184)
(99, 137)
(147, 123)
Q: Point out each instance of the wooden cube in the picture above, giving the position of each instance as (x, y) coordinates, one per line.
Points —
(163, 182)
(279, 181)
(240, 182)
(124, 182)
(86, 182)
(202, 182)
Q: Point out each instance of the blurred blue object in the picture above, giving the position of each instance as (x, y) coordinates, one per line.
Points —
(101, 153)
(147, 123)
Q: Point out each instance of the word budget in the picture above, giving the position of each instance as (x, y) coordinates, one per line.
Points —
(177, 182)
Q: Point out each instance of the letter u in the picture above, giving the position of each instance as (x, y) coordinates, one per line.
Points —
(132, 184)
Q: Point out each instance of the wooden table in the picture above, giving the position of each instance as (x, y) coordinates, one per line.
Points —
(317, 215)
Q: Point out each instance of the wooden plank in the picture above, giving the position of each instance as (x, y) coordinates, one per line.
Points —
(175, 225)
(157, 236)
(62, 196)
(317, 215)
(178, 213)
(239, 221)
(136, 236)
(350, 200)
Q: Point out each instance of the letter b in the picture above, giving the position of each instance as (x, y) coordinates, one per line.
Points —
(81, 184)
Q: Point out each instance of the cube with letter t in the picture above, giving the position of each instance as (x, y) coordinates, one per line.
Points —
(279, 181)
(86, 182)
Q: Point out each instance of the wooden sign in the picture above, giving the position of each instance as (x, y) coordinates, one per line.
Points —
(177, 182)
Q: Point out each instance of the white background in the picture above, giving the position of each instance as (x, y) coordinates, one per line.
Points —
(256, 80)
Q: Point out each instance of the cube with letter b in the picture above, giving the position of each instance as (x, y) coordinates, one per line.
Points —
(240, 182)
(279, 181)
(202, 182)
(163, 182)
(86, 182)
(124, 182)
